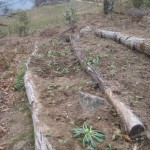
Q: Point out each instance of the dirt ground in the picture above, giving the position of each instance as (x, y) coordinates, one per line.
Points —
(61, 77)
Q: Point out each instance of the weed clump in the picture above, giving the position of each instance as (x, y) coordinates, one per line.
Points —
(19, 82)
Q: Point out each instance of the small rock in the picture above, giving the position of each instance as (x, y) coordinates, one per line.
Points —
(19, 145)
(85, 30)
(89, 102)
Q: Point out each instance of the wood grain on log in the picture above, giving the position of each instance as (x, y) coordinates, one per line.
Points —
(140, 44)
(41, 141)
(133, 125)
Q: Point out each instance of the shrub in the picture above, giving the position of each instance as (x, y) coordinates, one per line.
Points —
(71, 16)
(19, 82)
(137, 3)
(22, 26)
(2, 34)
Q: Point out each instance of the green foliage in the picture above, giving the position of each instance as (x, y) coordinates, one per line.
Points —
(71, 16)
(22, 26)
(2, 34)
(88, 135)
(94, 60)
(137, 3)
(19, 82)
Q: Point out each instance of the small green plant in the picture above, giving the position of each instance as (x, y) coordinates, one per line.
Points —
(65, 71)
(71, 16)
(117, 135)
(94, 60)
(2, 34)
(137, 3)
(40, 56)
(110, 147)
(50, 53)
(86, 49)
(136, 99)
(18, 82)
(48, 133)
(88, 135)
(63, 141)
(22, 26)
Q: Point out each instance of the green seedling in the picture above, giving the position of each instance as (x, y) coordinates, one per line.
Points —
(50, 53)
(86, 49)
(63, 141)
(48, 133)
(94, 60)
(87, 135)
(136, 99)
(65, 71)
(110, 147)
(40, 56)
(112, 73)
(18, 82)
(117, 135)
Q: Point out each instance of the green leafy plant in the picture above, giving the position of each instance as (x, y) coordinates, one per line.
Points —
(71, 16)
(22, 26)
(88, 135)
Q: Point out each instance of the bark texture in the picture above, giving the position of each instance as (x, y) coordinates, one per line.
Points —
(140, 44)
(41, 142)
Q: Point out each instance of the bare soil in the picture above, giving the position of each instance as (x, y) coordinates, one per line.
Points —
(59, 78)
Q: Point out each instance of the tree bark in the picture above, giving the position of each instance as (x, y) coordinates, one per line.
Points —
(133, 125)
(140, 44)
(41, 141)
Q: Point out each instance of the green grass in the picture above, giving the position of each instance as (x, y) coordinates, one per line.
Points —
(41, 17)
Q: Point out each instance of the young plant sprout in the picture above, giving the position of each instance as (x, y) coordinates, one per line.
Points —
(88, 135)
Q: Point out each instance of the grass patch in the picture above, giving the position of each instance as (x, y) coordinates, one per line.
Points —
(41, 17)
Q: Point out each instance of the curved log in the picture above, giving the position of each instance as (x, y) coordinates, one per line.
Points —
(133, 125)
(140, 44)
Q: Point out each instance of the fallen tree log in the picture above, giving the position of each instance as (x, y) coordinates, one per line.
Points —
(140, 44)
(41, 141)
(133, 125)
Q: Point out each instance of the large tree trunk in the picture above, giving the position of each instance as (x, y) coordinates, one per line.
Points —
(140, 44)
(133, 124)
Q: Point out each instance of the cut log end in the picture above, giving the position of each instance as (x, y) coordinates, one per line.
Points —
(136, 129)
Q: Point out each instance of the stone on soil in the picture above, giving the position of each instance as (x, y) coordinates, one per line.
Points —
(89, 102)
(85, 30)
